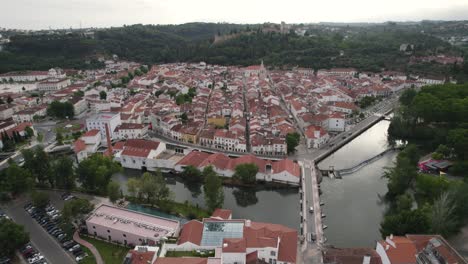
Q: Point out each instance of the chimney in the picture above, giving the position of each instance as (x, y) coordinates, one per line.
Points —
(109, 145)
(366, 259)
(247, 223)
(387, 247)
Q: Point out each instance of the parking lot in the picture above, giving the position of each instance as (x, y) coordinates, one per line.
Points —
(40, 239)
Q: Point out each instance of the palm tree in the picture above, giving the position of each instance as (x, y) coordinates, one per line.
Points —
(443, 219)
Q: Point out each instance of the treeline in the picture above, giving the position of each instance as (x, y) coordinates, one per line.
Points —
(436, 116)
(368, 50)
(435, 120)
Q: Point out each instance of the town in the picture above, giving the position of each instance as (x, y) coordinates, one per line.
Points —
(217, 120)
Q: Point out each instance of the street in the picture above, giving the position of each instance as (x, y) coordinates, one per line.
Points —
(47, 245)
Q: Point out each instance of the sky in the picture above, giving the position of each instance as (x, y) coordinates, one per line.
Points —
(44, 14)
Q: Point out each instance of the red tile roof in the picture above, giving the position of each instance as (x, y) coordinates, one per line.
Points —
(350, 255)
(91, 133)
(192, 232)
(181, 261)
(404, 251)
(222, 213)
(234, 245)
(194, 158)
(141, 257)
(79, 146)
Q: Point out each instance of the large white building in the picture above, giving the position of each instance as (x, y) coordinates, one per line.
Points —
(27, 115)
(142, 154)
(52, 85)
(102, 120)
(131, 131)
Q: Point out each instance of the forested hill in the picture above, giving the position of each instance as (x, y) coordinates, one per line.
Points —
(368, 48)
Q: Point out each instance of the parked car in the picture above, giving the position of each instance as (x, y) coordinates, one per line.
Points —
(74, 247)
(80, 257)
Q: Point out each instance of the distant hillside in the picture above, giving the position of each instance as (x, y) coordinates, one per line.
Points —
(368, 48)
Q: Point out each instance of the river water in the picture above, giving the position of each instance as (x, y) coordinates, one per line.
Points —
(351, 204)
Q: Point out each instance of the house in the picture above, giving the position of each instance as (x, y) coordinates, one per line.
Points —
(335, 123)
(79, 105)
(418, 249)
(140, 154)
(351, 256)
(130, 131)
(101, 121)
(343, 107)
(129, 227)
(239, 240)
(87, 144)
(316, 136)
(141, 255)
(285, 170)
(6, 112)
(27, 115)
(54, 84)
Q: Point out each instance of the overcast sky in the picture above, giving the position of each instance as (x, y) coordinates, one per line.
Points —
(42, 14)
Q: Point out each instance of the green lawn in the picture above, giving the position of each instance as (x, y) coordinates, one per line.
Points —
(90, 258)
(192, 253)
(110, 253)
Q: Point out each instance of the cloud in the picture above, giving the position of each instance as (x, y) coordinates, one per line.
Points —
(33, 14)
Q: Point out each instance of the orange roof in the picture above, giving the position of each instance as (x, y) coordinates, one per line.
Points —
(192, 232)
(141, 257)
(194, 158)
(234, 245)
(91, 133)
(181, 261)
(79, 146)
(222, 213)
(404, 251)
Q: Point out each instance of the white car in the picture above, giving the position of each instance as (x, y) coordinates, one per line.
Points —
(81, 257)
(74, 247)
(35, 258)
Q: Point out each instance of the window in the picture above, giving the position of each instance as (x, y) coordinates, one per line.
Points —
(95, 234)
(273, 253)
(94, 227)
(108, 231)
(124, 235)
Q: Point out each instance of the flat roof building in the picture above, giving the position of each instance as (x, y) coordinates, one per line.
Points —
(129, 227)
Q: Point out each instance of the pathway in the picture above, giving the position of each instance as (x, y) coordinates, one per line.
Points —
(90, 246)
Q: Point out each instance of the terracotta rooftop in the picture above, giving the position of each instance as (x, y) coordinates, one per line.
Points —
(91, 133)
(222, 213)
(234, 245)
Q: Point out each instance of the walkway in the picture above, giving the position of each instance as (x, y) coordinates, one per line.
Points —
(90, 246)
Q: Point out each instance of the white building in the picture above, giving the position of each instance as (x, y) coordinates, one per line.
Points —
(52, 85)
(140, 154)
(27, 115)
(131, 131)
(335, 123)
(87, 144)
(99, 122)
(316, 137)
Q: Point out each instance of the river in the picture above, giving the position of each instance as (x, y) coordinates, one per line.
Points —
(351, 204)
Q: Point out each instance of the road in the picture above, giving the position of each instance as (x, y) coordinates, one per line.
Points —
(47, 245)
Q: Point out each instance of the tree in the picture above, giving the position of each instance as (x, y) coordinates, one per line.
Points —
(12, 236)
(184, 117)
(192, 174)
(458, 140)
(246, 172)
(76, 207)
(95, 172)
(29, 131)
(214, 195)
(103, 95)
(37, 161)
(133, 187)
(40, 199)
(62, 173)
(443, 215)
(292, 141)
(113, 191)
(59, 138)
(40, 137)
(154, 188)
(245, 196)
(407, 97)
(18, 180)
(61, 110)
(406, 222)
